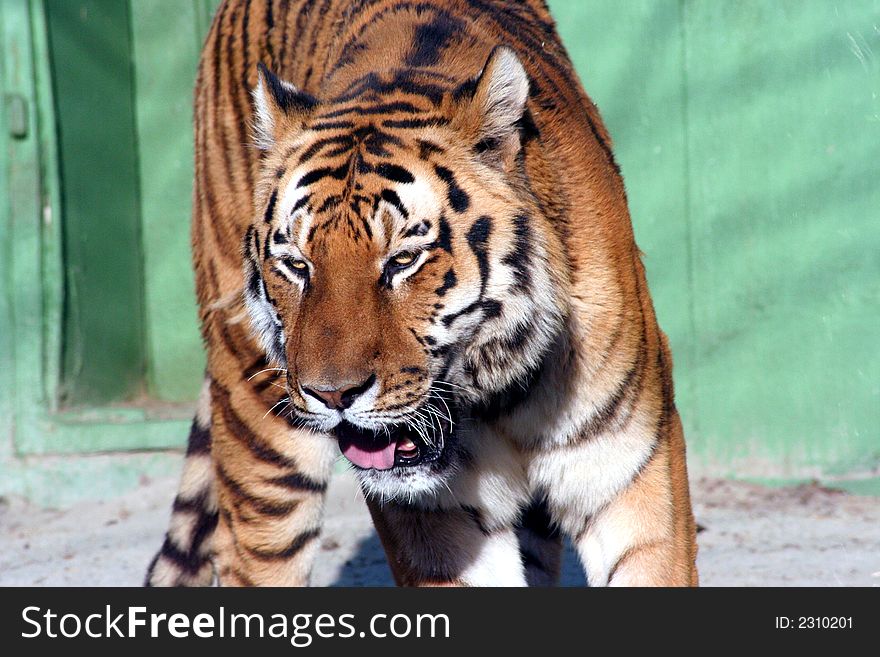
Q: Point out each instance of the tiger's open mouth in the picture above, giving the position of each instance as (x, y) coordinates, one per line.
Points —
(398, 446)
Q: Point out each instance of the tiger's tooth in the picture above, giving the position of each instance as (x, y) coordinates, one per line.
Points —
(406, 445)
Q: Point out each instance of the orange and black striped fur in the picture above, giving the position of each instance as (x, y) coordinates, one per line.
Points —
(412, 244)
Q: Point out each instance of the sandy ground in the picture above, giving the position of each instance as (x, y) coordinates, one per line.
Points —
(754, 536)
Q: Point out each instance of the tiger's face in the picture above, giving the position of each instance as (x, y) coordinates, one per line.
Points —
(395, 270)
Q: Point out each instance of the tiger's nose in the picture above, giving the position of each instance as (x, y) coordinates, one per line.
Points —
(338, 398)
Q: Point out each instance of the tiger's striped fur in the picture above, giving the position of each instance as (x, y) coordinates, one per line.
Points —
(436, 246)
(187, 551)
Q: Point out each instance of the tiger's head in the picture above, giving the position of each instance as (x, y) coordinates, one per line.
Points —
(397, 268)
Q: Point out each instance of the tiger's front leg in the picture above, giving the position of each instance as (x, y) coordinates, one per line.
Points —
(645, 536)
(446, 547)
(271, 480)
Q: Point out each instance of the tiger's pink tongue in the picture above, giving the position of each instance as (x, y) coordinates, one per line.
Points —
(381, 458)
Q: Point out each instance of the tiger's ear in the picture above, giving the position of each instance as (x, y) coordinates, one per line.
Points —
(278, 106)
(493, 106)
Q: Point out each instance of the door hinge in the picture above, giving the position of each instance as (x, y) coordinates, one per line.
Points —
(17, 115)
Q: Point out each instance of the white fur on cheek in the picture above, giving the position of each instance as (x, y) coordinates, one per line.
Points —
(264, 318)
(419, 199)
(327, 417)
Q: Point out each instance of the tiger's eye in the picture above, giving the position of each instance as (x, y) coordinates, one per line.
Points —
(403, 259)
(298, 264)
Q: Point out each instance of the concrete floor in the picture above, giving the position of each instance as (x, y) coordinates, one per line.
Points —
(752, 536)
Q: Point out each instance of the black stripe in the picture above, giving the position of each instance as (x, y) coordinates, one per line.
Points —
(382, 108)
(491, 308)
(197, 504)
(394, 173)
(628, 553)
(430, 39)
(366, 225)
(190, 562)
(343, 141)
(519, 260)
(300, 203)
(611, 406)
(291, 550)
(444, 236)
(507, 399)
(235, 97)
(477, 238)
(428, 122)
(204, 530)
(241, 432)
(449, 282)
(259, 364)
(376, 142)
(299, 482)
(242, 578)
(401, 82)
(329, 203)
(302, 15)
(316, 35)
(418, 230)
(218, 106)
(261, 505)
(269, 20)
(255, 283)
(332, 125)
(391, 197)
(324, 172)
(270, 208)
(458, 198)
(427, 148)
(245, 67)
(537, 520)
(199, 441)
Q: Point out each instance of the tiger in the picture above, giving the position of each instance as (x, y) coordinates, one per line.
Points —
(413, 251)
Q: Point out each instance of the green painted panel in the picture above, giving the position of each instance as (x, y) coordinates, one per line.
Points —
(640, 93)
(51, 242)
(90, 55)
(23, 213)
(747, 133)
(110, 430)
(7, 325)
(165, 56)
(783, 133)
(60, 481)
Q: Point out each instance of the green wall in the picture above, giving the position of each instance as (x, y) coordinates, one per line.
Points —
(748, 136)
